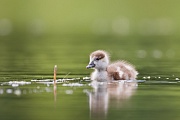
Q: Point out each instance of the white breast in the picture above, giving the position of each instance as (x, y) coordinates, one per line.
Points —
(99, 75)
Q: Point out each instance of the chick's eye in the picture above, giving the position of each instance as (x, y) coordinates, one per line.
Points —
(97, 59)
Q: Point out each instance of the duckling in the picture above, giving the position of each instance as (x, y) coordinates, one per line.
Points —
(119, 70)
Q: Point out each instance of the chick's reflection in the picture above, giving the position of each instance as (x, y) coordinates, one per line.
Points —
(105, 94)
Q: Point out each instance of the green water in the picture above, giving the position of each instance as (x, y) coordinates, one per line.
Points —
(156, 98)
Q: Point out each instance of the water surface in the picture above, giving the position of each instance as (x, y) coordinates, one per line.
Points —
(26, 73)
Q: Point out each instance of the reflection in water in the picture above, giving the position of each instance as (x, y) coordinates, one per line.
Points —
(55, 87)
(55, 93)
(106, 93)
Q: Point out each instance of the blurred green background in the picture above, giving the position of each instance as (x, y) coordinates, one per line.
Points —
(37, 34)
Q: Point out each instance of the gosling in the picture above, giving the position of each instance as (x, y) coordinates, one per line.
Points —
(119, 70)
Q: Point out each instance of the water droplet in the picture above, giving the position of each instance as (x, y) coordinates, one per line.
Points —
(121, 26)
(141, 53)
(24, 92)
(69, 91)
(9, 91)
(160, 26)
(17, 92)
(157, 54)
(1, 91)
(48, 89)
(36, 27)
(86, 78)
(100, 26)
(15, 85)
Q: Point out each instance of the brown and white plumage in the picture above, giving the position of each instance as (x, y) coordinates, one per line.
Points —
(119, 70)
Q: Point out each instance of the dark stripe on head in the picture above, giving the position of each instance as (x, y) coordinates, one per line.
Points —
(98, 54)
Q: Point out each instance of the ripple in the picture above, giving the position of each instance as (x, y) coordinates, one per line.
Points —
(73, 84)
(15, 83)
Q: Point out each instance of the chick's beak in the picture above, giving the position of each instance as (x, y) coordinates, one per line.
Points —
(90, 65)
